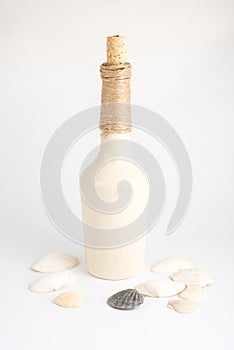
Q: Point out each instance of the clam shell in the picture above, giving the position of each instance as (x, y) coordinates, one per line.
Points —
(193, 291)
(55, 262)
(192, 276)
(126, 299)
(160, 288)
(70, 299)
(171, 264)
(186, 306)
(53, 282)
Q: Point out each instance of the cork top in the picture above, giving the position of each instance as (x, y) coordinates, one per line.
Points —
(116, 49)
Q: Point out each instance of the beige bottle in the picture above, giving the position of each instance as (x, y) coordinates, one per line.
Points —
(124, 261)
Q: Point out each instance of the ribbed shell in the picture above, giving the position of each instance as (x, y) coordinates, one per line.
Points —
(126, 299)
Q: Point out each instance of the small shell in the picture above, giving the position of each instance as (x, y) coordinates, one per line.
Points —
(160, 289)
(126, 299)
(53, 282)
(185, 306)
(68, 299)
(192, 276)
(193, 291)
(55, 262)
(171, 264)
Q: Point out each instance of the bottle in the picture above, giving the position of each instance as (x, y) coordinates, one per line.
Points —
(124, 261)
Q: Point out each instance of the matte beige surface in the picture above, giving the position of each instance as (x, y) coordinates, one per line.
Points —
(123, 262)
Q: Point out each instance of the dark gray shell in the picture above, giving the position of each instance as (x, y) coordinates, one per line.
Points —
(126, 299)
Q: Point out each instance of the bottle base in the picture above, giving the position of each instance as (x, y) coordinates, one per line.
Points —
(113, 278)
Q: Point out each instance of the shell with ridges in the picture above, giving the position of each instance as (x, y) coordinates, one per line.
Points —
(160, 288)
(126, 299)
(53, 282)
(192, 276)
(70, 299)
(183, 306)
(54, 262)
(171, 264)
(193, 291)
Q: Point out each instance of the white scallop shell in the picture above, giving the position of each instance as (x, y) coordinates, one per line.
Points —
(160, 288)
(185, 306)
(55, 262)
(193, 291)
(192, 276)
(69, 299)
(53, 282)
(171, 264)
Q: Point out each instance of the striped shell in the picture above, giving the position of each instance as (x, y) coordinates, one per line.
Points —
(68, 299)
(54, 262)
(127, 299)
(192, 276)
(184, 306)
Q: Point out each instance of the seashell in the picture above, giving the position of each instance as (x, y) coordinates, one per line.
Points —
(53, 282)
(68, 299)
(185, 306)
(126, 299)
(171, 264)
(55, 262)
(160, 288)
(192, 276)
(193, 291)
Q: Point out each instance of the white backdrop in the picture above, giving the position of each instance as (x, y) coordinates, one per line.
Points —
(182, 54)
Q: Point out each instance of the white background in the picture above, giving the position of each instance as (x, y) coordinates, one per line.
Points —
(182, 54)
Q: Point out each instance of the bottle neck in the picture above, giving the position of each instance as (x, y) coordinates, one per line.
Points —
(116, 109)
(115, 146)
(113, 137)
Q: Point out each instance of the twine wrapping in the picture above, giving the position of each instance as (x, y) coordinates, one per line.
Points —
(115, 110)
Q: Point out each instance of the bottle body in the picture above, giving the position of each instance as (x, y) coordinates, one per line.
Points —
(127, 260)
(116, 264)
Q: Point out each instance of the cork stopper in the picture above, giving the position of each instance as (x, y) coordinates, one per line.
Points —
(116, 49)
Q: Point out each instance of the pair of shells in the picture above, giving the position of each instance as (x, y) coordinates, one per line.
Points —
(55, 281)
(190, 296)
(52, 263)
